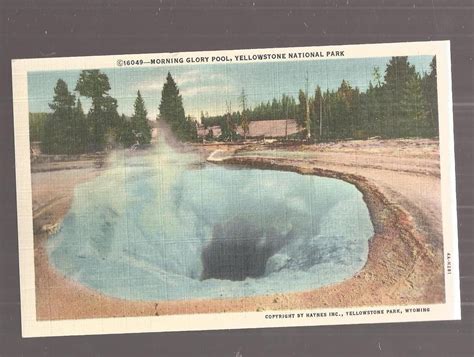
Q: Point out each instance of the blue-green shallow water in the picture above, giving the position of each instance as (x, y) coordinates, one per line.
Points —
(138, 231)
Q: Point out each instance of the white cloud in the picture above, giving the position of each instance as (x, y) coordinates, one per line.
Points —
(196, 76)
(196, 90)
(188, 77)
(184, 80)
(150, 86)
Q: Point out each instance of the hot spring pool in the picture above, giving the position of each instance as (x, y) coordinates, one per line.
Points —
(155, 229)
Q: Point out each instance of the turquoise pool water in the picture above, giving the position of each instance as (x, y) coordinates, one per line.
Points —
(162, 226)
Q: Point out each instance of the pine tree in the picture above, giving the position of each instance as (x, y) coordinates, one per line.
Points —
(413, 110)
(172, 111)
(370, 109)
(316, 125)
(343, 118)
(228, 128)
(301, 114)
(81, 129)
(36, 123)
(140, 122)
(398, 74)
(95, 85)
(126, 135)
(377, 76)
(103, 113)
(59, 127)
(430, 92)
(171, 105)
(63, 100)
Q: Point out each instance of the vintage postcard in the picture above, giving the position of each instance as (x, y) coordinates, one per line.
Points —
(236, 189)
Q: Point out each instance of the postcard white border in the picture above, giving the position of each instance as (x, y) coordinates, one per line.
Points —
(450, 310)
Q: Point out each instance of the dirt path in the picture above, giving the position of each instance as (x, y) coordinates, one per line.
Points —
(401, 186)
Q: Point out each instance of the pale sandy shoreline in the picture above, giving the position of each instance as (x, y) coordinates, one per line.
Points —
(400, 184)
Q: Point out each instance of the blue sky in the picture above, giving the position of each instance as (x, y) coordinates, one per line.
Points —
(207, 87)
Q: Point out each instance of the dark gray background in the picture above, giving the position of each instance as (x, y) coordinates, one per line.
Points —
(73, 28)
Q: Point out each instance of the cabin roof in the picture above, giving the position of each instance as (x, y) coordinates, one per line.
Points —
(271, 128)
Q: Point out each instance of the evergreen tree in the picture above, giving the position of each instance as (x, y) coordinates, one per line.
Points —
(228, 129)
(171, 105)
(140, 122)
(103, 113)
(430, 93)
(172, 111)
(126, 136)
(190, 130)
(370, 111)
(63, 100)
(398, 74)
(37, 122)
(59, 127)
(95, 85)
(81, 130)
(413, 110)
(328, 98)
(377, 76)
(79, 109)
(316, 124)
(301, 111)
(344, 119)
(110, 119)
(288, 107)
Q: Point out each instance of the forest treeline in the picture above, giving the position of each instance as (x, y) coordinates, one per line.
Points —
(402, 103)
(68, 130)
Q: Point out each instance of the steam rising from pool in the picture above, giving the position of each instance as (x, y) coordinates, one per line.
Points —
(161, 225)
